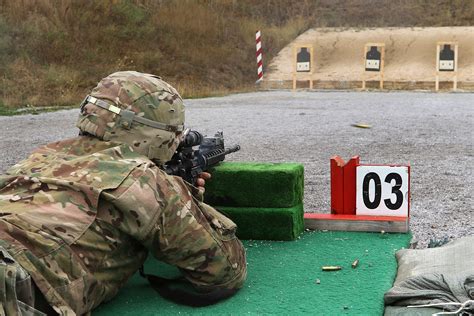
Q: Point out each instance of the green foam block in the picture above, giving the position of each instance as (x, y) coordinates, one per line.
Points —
(266, 223)
(268, 185)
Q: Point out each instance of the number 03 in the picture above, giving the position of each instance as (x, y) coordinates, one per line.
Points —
(393, 190)
(378, 191)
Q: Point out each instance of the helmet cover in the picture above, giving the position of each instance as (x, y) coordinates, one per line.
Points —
(138, 95)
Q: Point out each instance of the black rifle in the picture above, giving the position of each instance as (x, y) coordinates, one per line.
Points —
(188, 162)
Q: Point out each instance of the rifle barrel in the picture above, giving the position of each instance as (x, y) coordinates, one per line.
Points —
(232, 149)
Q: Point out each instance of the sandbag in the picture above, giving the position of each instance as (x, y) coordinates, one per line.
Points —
(434, 275)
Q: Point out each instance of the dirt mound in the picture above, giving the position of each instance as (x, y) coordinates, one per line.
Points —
(410, 56)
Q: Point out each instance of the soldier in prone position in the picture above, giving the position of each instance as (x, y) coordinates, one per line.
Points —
(78, 217)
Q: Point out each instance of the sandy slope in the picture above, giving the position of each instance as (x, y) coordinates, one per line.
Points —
(410, 53)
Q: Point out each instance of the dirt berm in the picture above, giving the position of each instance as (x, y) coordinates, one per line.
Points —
(410, 58)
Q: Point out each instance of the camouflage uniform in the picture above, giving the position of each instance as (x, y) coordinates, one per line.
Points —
(80, 216)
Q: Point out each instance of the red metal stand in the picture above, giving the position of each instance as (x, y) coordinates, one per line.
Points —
(337, 185)
(343, 185)
(343, 205)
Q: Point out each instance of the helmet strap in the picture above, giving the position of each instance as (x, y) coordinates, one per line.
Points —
(126, 118)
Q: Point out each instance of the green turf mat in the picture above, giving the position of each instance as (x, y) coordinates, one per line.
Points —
(256, 184)
(281, 279)
(266, 223)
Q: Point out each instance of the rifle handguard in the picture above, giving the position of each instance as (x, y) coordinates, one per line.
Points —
(189, 163)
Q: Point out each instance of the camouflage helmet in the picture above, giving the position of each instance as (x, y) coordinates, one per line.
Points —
(138, 109)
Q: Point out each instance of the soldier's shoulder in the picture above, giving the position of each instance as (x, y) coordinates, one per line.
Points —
(78, 146)
(81, 153)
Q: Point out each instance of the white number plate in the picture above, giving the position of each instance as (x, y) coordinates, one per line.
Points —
(382, 190)
(302, 66)
(446, 65)
(372, 64)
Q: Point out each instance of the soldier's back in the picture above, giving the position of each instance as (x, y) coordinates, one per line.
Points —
(54, 222)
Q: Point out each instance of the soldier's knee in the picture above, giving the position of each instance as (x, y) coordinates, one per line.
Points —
(228, 269)
(238, 264)
(225, 265)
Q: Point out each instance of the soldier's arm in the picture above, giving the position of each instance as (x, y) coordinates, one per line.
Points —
(161, 212)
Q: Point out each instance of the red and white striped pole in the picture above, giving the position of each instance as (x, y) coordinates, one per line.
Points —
(258, 39)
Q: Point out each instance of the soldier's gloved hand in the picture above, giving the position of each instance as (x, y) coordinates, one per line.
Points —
(201, 181)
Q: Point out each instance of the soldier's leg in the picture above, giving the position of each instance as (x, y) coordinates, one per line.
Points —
(202, 243)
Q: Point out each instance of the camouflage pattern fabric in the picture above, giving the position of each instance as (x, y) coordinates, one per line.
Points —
(16, 288)
(145, 96)
(81, 215)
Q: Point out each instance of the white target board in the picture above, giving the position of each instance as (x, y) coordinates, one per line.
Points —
(446, 65)
(372, 64)
(303, 66)
(382, 190)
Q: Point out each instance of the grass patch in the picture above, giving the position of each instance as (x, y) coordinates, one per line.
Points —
(5, 111)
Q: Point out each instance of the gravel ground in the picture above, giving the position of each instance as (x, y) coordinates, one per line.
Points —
(432, 132)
